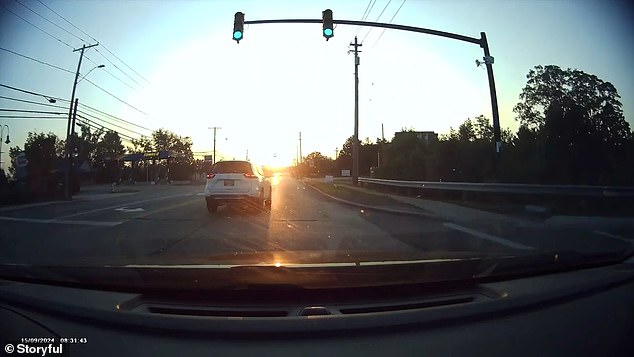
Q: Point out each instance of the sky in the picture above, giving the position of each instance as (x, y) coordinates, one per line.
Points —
(174, 65)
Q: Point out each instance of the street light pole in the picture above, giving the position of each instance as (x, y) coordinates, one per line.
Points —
(1, 140)
(68, 156)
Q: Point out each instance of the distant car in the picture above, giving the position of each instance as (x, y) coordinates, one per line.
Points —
(238, 182)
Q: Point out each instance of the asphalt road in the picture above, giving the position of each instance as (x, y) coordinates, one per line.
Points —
(169, 224)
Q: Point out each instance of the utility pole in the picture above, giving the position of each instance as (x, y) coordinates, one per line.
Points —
(72, 127)
(67, 190)
(355, 140)
(378, 160)
(213, 159)
(300, 148)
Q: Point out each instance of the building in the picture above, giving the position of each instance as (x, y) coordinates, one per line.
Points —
(427, 137)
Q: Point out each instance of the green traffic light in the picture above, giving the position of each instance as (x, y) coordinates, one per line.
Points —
(237, 35)
(328, 32)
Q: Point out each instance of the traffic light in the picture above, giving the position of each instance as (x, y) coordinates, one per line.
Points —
(328, 31)
(238, 27)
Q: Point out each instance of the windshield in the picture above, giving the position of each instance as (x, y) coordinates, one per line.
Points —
(232, 167)
(369, 136)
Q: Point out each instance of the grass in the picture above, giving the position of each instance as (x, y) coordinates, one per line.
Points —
(350, 194)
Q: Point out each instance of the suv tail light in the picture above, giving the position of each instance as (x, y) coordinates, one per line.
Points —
(210, 176)
(250, 175)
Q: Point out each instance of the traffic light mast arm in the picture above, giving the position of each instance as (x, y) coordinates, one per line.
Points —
(454, 36)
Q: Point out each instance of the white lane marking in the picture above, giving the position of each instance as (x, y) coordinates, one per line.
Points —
(614, 236)
(123, 205)
(487, 236)
(29, 205)
(127, 210)
(58, 221)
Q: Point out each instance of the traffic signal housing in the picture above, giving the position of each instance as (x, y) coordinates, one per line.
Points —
(328, 30)
(238, 27)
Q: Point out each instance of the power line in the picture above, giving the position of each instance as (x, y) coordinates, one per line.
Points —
(38, 61)
(70, 23)
(58, 26)
(369, 11)
(392, 19)
(29, 117)
(32, 102)
(109, 123)
(104, 127)
(132, 69)
(113, 76)
(33, 93)
(115, 97)
(112, 116)
(30, 23)
(66, 100)
(377, 20)
(29, 111)
(120, 70)
(94, 39)
(363, 16)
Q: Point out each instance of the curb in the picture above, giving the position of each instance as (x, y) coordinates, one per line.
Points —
(388, 210)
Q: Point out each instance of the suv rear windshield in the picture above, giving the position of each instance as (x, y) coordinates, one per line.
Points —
(231, 167)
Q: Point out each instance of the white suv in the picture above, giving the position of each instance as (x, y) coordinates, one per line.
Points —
(237, 182)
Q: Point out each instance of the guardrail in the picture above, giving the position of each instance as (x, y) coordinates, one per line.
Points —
(509, 188)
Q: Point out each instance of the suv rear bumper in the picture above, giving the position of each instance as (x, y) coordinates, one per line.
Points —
(229, 198)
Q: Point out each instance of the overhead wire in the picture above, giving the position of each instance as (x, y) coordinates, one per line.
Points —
(120, 70)
(68, 101)
(110, 73)
(115, 97)
(109, 123)
(112, 116)
(392, 19)
(44, 31)
(36, 60)
(377, 20)
(105, 127)
(29, 111)
(32, 102)
(54, 24)
(89, 81)
(94, 39)
(364, 16)
(32, 93)
(29, 117)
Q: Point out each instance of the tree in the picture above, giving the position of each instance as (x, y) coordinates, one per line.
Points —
(550, 84)
(42, 151)
(582, 135)
(107, 154)
(316, 164)
(144, 144)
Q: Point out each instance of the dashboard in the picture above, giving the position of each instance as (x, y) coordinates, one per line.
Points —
(586, 312)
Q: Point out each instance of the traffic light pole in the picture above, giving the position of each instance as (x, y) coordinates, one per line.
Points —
(482, 42)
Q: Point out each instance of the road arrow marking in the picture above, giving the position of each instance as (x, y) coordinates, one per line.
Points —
(128, 210)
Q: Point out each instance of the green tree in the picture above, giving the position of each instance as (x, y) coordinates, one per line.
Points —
(42, 151)
(582, 135)
(107, 154)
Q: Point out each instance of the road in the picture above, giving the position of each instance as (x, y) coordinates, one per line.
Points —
(168, 224)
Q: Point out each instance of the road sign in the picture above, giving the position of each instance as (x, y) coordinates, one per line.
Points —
(209, 158)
